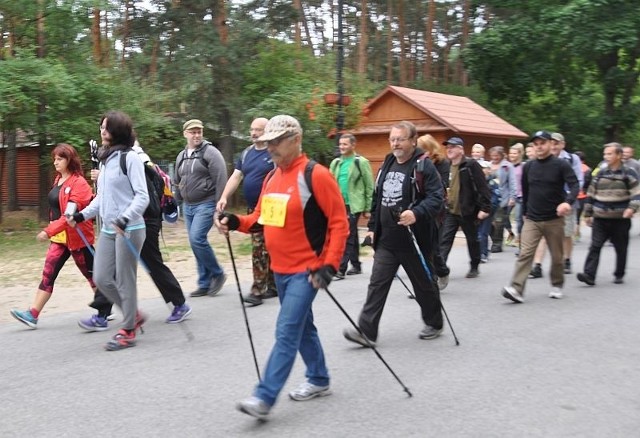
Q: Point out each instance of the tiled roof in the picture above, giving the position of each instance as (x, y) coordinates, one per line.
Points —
(460, 114)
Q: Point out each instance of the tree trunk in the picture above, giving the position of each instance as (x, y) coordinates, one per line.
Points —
(402, 29)
(428, 63)
(43, 211)
(389, 42)
(125, 33)
(96, 37)
(10, 158)
(364, 39)
(462, 73)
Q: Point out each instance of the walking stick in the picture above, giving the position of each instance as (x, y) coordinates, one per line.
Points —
(430, 277)
(244, 310)
(369, 344)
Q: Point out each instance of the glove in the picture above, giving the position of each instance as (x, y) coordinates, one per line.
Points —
(323, 275)
(78, 217)
(366, 242)
(232, 220)
(121, 223)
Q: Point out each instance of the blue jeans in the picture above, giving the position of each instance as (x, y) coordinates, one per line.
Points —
(199, 220)
(484, 231)
(295, 332)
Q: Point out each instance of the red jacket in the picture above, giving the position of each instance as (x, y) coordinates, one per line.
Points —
(303, 243)
(75, 189)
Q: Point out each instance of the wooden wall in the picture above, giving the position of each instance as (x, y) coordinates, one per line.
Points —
(27, 176)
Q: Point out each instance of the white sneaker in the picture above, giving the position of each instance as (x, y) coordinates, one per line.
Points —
(556, 293)
(443, 282)
(307, 391)
(511, 293)
(255, 407)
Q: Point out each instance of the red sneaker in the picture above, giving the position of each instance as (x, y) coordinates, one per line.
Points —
(123, 339)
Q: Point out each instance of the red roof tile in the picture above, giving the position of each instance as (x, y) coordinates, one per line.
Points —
(458, 113)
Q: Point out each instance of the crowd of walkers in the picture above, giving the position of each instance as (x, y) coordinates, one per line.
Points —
(303, 219)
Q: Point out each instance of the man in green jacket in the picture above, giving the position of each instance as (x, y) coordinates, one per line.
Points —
(355, 178)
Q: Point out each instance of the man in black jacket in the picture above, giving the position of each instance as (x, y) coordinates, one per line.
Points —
(545, 204)
(469, 202)
(397, 208)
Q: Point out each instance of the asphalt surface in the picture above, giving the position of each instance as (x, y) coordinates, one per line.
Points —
(545, 368)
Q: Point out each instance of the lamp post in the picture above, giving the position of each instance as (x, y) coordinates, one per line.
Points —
(339, 81)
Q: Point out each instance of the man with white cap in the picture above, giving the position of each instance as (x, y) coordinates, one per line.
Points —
(305, 229)
(201, 174)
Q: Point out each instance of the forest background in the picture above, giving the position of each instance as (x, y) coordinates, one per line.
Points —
(564, 65)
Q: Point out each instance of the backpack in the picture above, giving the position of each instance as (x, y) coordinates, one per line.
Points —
(317, 235)
(155, 186)
(356, 161)
(203, 160)
(418, 184)
(244, 154)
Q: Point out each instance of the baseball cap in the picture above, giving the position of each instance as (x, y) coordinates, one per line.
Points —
(557, 136)
(279, 126)
(541, 134)
(193, 123)
(455, 141)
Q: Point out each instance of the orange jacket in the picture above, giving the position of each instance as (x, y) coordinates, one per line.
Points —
(302, 243)
(74, 189)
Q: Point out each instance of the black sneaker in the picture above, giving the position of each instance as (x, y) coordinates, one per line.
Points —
(567, 266)
(216, 284)
(338, 276)
(585, 278)
(473, 273)
(536, 272)
(252, 300)
(618, 280)
(496, 249)
(270, 293)
(354, 271)
(200, 292)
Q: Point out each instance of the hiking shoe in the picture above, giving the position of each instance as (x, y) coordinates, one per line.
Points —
(338, 276)
(567, 266)
(429, 332)
(200, 292)
(443, 282)
(179, 314)
(141, 318)
(353, 336)
(255, 407)
(270, 293)
(94, 324)
(354, 271)
(484, 259)
(123, 339)
(496, 249)
(473, 273)
(511, 293)
(510, 241)
(585, 278)
(252, 300)
(216, 284)
(555, 293)
(618, 280)
(307, 391)
(26, 318)
(536, 272)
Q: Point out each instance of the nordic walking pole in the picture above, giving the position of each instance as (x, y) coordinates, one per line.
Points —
(95, 164)
(411, 295)
(430, 277)
(72, 207)
(244, 310)
(369, 344)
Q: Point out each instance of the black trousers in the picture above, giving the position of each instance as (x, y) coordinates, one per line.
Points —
(161, 275)
(470, 230)
(385, 265)
(352, 247)
(616, 230)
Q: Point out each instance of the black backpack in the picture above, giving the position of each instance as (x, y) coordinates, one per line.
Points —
(155, 187)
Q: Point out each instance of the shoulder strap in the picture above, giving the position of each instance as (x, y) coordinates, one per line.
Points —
(123, 160)
(244, 154)
(418, 177)
(357, 163)
(308, 169)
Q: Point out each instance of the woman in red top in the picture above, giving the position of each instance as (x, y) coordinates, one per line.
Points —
(69, 186)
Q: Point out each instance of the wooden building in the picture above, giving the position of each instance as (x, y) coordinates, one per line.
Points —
(441, 115)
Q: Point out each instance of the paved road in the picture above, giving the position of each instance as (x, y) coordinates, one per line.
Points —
(546, 368)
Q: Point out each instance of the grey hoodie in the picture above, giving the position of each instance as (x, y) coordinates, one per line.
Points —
(120, 195)
(197, 183)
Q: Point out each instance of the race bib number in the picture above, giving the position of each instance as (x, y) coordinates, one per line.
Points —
(273, 209)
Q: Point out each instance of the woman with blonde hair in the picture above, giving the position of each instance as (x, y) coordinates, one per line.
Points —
(433, 150)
